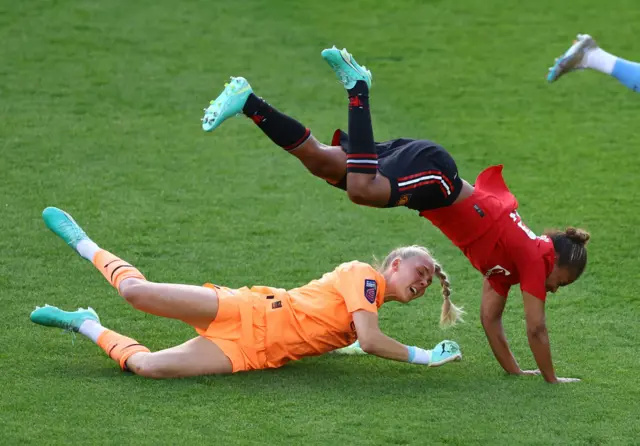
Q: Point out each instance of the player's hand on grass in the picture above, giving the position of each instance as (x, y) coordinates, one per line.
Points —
(557, 381)
(566, 380)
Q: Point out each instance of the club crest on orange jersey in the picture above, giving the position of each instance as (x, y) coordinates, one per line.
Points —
(370, 290)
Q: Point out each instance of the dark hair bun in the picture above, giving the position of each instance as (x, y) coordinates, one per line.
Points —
(577, 235)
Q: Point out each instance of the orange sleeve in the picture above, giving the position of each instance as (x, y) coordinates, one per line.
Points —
(360, 286)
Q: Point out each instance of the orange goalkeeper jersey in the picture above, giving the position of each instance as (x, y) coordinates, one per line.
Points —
(317, 317)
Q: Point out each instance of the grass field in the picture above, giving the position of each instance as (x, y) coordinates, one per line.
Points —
(100, 105)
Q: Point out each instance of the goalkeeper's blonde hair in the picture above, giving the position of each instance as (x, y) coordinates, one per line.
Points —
(450, 314)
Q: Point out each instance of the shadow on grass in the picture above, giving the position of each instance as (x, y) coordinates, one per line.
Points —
(348, 374)
(357, 377)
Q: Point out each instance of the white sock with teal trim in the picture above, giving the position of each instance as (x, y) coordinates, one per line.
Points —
(419, 355)
(87, 249)
(91, 329)
(598, 59)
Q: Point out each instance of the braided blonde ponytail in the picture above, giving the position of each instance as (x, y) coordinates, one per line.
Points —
(450, 314)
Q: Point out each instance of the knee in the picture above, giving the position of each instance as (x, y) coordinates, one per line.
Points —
(487, 318)
(325, 171)
(367, 189)
(359, 194)
(149, 368)
(133, 290)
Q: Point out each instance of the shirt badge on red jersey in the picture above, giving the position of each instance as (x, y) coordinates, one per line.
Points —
(403, 200)
(370, 290)
(496, 270)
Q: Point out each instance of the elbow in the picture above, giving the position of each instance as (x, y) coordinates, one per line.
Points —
(366, 346)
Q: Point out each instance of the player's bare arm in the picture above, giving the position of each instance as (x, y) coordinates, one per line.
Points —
(491, 310)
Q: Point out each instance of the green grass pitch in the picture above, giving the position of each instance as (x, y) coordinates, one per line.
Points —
(100, 105)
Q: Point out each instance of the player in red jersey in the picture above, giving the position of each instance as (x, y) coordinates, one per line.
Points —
(482, 220)
(485, 225)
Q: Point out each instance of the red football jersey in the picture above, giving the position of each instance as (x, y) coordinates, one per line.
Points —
(487, 228)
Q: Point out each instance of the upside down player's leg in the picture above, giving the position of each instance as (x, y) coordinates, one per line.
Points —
(326, 162)
(199, 356)
(195, 305)
(238, 98)
(364, 184)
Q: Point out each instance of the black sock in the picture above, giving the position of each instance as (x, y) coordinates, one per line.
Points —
(361, 156)
(281, 129)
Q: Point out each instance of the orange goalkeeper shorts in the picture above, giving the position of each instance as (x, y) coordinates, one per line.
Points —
(239, 327)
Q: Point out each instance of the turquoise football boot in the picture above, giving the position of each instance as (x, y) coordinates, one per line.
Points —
(346, 67)
(64, 226)
(445, 351)
(68, 320)
(572, 58)
(228, 104)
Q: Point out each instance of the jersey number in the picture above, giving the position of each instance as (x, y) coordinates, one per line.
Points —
(517, 220)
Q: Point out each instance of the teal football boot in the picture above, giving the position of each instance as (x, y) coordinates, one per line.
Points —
(68, 320)
(64, 226)
(228, 104)
(346, 67)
